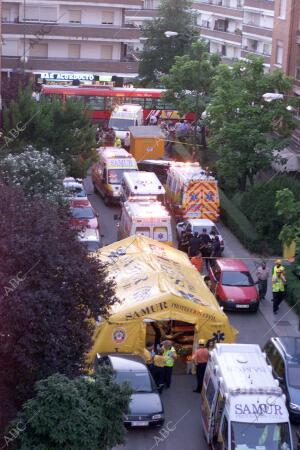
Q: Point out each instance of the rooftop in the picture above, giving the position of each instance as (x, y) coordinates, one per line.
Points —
(147, 208)
(143, 183)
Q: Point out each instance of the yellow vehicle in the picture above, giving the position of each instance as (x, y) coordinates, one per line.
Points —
(145, 217)
(107, 173)
(192, 193)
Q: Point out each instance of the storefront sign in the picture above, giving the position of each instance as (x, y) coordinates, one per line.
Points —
(62, 76)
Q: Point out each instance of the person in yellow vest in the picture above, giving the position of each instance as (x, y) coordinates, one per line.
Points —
(169, 354)
(118, 142)
(278, 285)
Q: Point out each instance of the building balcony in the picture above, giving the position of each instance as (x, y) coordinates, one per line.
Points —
(223, 11)
(257, 31)
(246, 52)
(260, 4)
(71, 31)
(140, 14)
(220, 35)
(42, 64)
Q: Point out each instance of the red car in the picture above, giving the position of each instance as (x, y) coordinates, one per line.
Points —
(82, 215)
(233, 285)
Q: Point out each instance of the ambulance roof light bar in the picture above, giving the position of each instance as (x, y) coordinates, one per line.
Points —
(265, 391)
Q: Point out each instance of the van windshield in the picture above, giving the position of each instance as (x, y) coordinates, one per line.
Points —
(262, 436)
(115, 176)
(121, 124)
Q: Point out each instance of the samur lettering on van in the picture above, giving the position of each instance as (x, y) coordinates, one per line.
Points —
(146, 311)
(260, 409)
(247, 369)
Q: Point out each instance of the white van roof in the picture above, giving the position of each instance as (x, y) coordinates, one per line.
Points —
(189, 171)
(113, 152)
(131, 108)
(143, 183)
(146, 209)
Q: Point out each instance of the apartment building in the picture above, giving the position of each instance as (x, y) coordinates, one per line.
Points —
(71, 39)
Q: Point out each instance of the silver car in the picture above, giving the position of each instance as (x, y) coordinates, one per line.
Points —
(197, 225)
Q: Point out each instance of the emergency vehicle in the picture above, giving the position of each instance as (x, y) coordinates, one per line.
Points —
(145, 218)
(125, 116)
(242, 405)
(107, 173)
(136, 185)
(192, 193)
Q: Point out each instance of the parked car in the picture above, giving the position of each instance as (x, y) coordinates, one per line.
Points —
(74, 188)
(82, 215)
(146, 408)
(233, 285)
(198, 225)
(90, 238)
(283, 354)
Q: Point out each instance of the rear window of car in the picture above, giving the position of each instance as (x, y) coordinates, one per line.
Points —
(139, 381)
(208, 229)
(230, 278)
(82, 213)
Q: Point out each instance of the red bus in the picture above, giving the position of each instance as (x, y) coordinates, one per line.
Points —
(100, 100)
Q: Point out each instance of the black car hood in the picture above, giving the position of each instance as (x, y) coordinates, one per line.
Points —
(145, 403)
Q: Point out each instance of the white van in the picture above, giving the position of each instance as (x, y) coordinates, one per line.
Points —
(242, 405)
(136, 185)
(125, 116)
(145, 218)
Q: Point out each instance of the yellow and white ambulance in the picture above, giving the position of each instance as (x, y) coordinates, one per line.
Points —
(145, 217)
(137, 185)
(107, 173)
(192, 193)
(125, 116)
(242, 405)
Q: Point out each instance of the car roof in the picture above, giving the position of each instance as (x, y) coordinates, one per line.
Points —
(233, 265)
(290, 345)
(201, 223)
(127, 363)
(89, 234)
(80, 203)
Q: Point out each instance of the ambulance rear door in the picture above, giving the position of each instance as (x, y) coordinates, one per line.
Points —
(209, 201)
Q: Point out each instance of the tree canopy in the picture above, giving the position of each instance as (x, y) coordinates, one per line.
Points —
(159, 51)
(288, 207)
(242, 125)
(64, 128)
(51, 293)
(37, 172)
(65, 414)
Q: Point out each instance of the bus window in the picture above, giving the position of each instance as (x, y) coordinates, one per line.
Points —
(142, 231)
(161, 104)
(151, 103)
(79, 98)
(160, 234)
(95, 103)
(137, 101)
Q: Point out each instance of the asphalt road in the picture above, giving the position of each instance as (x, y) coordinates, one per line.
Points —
(182, 410)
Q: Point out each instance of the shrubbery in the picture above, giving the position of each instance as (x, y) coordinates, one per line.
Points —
(293, 289)
(239, 224)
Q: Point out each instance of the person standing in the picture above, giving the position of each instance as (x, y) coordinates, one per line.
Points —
(205, 247)
(169, 355)
(200, 358)
(127, 142)
(185, 238)
(194, 247)
(278, 288)
(215, 248)
(262, 275)
(159, 368)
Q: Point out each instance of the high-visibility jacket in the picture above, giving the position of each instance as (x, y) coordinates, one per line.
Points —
(278, 283)
(169, 360)
(278, 269)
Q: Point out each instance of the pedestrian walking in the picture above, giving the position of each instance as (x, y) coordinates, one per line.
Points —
(159, 368)
(127, 142)
(197, 262)
(200, 358)
(278, 287)
(262, 274)
(169, 353)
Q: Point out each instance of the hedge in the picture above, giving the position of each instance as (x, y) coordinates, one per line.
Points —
(293, 289)
(239, 224)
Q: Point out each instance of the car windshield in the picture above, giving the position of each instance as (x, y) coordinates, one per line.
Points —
(82, 213)
(260, 436)
(293, 371)
(121, 124)
(231, 278)
(76, 192)
(115, 176)
(209, 229)
(91, 246)
(139, 381)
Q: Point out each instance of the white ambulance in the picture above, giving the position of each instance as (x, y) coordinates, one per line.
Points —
(242, 405)
(146, 217)
(125, 116)
(136, 185)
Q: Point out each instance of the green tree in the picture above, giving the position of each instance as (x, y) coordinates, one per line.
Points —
(64, 128)
(72, 414)
(159, 51)
(242, 125)
(289, 209)
(39, 174)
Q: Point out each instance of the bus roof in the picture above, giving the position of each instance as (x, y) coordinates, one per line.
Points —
(146, 209)
(143, 183)
(105, 91)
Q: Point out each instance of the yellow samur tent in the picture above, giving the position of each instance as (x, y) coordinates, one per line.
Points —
(155, 282)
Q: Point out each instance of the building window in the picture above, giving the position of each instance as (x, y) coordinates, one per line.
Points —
(221, 25)
(298, 73)
(5, 15)
(267, 49)
(107, 18)
(74, 16)
(282, 9)
(74, 51)
(223, 51)
(39, 14)
(252, 45)
(39, 51)
(205, 24)
(279, 53)
(106, 51)
(148, 4)
(253, 19)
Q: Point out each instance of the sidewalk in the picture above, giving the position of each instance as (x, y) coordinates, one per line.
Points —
(286, 322)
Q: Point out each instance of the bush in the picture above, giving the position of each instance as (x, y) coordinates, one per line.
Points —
(239, 224)
(293, 289)
(258, 204)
